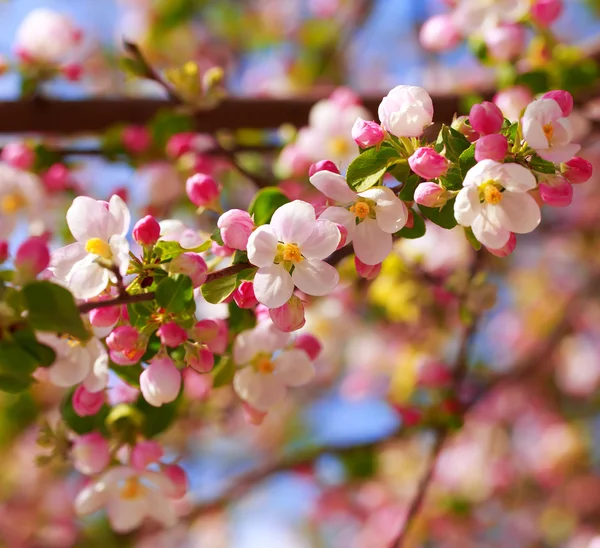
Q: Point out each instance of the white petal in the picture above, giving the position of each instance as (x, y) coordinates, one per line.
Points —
(341, 216)
(88, 218)
(87, 279)
(294, 222)
(518, 178)
(518, 212)
(483, 171)
(559, 154)
(390, 212)
(273, 285)
(533, 133)
(120, 216)
(371, 244)
(90, 499)
(488, 232)
(294, 367)
(160, 508)
(70, 368)
(126, 514)
(323, 241)
(467, 206)
(97, 379)
(119, 247)
(315, 277)
(262, 246)
(64, 258)
(259, 390)
(334, 186)
(263, 338)
(563, 132)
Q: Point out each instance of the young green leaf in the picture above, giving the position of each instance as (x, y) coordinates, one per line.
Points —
(368, 168)
(265, 203)
(176, 293)
(443, 217)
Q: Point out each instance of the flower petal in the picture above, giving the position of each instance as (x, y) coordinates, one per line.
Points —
(334, 186)
(323, 241)
(467, 206)
(126, 514)
(120, 218)
(97, 378)
(559, 154)
(119, 247)
(294, 222)
(262, 246)
(315, 277)
(533, 133)
(259, 390)
(371, 244)
(64, 258)
(263, 338)
(88, 218)
(87, 278)
(390, 212)
(160, 508)
(343, 217)
(518, 212)
(90, 499)
(294, 367)
(483, 171)
(517, 178)
(488, 231)
(273, 285)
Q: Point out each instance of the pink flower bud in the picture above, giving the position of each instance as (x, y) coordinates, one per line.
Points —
(545, 12)
(202, 190)
(18, 155)
(3, 251)
(136, 139)
(460, 124)
(253, 416)
(491, 147)
(556, 192)
(244, 295)
(105, 317)
(486, 118)
(145, 453)
(72, 72)
(146, 231)
(323, 165)
(262, 313)
(221, 250)
(427, 163)
(290, 316)
(205, 330)
(121, 392)
(32, 256)
(180, 144)
(310, 344)
(513, 101)
(86, 404)
(171, 334)
(439, 33)
(236, 226)
(505, 42)
(195, 385)
(91, 453)
(122, 193)
(344, 97)
(178, 478)
(577, 170)
(367, 134)
(507, 249)
(563, 98)
(367, 271)
(343, 235)
(130, 357)
(218, 344)
(192, 265)
(160, 381)
(201, 360)
(57, 178)
(124, 338)
(433, 374)
(430, 195)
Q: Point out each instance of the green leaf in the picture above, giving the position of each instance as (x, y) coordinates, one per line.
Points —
(44, 158)
(140, 312)
(415, 231)
(12, 385)
(157, 419)
(471, 238)
(246, 275)
(240, 318)
(175, 293)
(511, 132)
(16, 361)
(400, 172)
(240, 257)
(453, 179)
(82, 425)
(169, 250)
(455, 143)
(152, 348)
(443, 217)
(541, 166)
(218, 290)
(408, 190)
(216, 236)
(44, 355)
(223, 372)
(367, 169)
(467, 160)
(265, 203)
(52, 308)
(538, 81)
(168, 123)
(132, 67)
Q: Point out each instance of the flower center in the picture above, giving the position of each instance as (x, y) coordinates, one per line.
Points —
(548, 132)
(97, 246)
(13, 202)
(291, 253)
(361, 210)
(490, 192)
(338, 146)
(131, 489)
(264, 365)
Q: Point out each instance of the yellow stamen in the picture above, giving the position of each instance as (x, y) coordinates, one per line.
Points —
(492, 195)
(13, 202)
(97, 246)
(549, 132)
(131, 489)
(361, 210)
(291, 253)
(338, 146)
(265, 366)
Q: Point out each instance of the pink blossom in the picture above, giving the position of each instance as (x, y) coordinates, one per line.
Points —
(406, 111)
(160, 381)
(192, 265)
(253, 416)
(124, 338)
(205, 330)
(430, 195)
(106, 316)
(513, 101)
(56, 178)
(171, 334)
(18, 155)
(195, 385)
(507, 249)
(91, 453)
(563, 98)
(4, 254)
(427, 163)
(236, 226)
(87, 403)
(326, 165)
(72, 71)
(433, 374)
(367, 271)
(180, 144)
(343, 235)
(577, 170)
(556, 192)
(439, 33)
(491, 147)
(486, 118)
(178, 478)
(202, 190)
(136, 139)
(506, 41)
(310, 344)
(146, 452)
(290, 316)
(32, 256)
(545, 12)
(366, 134)
(218, 344)
(461, 125)
(200, 359)
(146, 231)
(244, 295)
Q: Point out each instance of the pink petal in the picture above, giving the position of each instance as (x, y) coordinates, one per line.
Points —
(489, 232)
(294, 367)
(518, 178)
(262, 246)
(334, 186)
(88, 218)
(467, 206)
(518, 212)
(343, 217)
(390, 212)
(371, 244)
(261, 391)
(323, 241)
(120, 216)
(315, 277)
(273, 285)
(294, 222)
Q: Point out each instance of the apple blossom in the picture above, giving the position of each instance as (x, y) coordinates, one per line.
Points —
(106, 316)
(486, 118)
(196, 386)
(427, 163)
(202, 190)
(563, 98)
(100, 230)
(367, 271)
(326, 165)
(171, 334)
(378, 212)
(205, 330)
(310, 344)
(253, 416)
(129, 496)
(145, 453)
(236, 226)
(462, 125)
(556, 191)
(266, 370)
(506, 249)
(545, 12)
(244, 295)
(4, 253)
(178, 478)
(146, 231)
(192, 265)
(136, 139)
(513, 101)
(56, 178)
(506, 41)
(548, 132)
(200, 359)
(439, 33)
(90, 453)
(577, 170)
(218, 344)
(494, 202)
(32, 257)
(290, 316)
(406, 111)
(290, 251)
(160, 381)
(430, 195)
(18, 155)
(367, 134)
(173, 230)
(86, 403)
(479, 16)
(491, 147)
